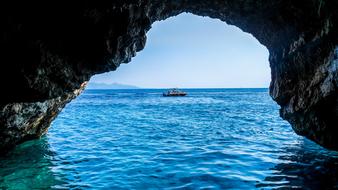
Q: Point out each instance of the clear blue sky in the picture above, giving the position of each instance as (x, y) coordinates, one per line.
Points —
(189, 51)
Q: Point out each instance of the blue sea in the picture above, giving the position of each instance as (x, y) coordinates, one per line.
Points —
(137, 139)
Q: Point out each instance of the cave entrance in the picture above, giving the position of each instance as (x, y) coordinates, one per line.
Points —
(141, 138)
(228, 135)
(224, 70)
(189, 51)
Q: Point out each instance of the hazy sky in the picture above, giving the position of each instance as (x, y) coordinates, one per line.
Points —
(189, 51)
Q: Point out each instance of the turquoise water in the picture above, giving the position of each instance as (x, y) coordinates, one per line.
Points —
(136, 139)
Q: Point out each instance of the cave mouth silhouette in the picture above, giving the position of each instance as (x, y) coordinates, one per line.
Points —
(58, 57)
(192, 51)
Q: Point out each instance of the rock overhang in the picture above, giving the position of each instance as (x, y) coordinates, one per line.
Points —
(51, 49)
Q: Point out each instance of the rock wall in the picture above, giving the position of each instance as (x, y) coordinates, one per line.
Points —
(49, 49)
(28, 120)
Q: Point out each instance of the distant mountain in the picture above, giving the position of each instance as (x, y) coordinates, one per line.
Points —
(93, 85)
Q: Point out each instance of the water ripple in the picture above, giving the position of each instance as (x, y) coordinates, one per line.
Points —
(136, 139)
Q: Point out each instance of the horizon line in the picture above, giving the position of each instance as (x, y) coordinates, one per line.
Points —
(178, 88)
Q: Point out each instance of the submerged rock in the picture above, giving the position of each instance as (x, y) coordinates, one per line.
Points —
(50, 48)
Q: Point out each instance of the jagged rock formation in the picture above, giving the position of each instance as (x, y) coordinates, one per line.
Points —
(49, 49)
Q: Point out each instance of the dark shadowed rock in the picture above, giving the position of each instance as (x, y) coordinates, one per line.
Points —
(50, 49)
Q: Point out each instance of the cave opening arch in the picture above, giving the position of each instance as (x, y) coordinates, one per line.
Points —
(79, 41)
(182, 49)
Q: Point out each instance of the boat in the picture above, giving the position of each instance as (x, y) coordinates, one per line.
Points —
(174, 92)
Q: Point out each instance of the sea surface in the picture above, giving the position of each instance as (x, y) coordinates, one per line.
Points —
(137, 139)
